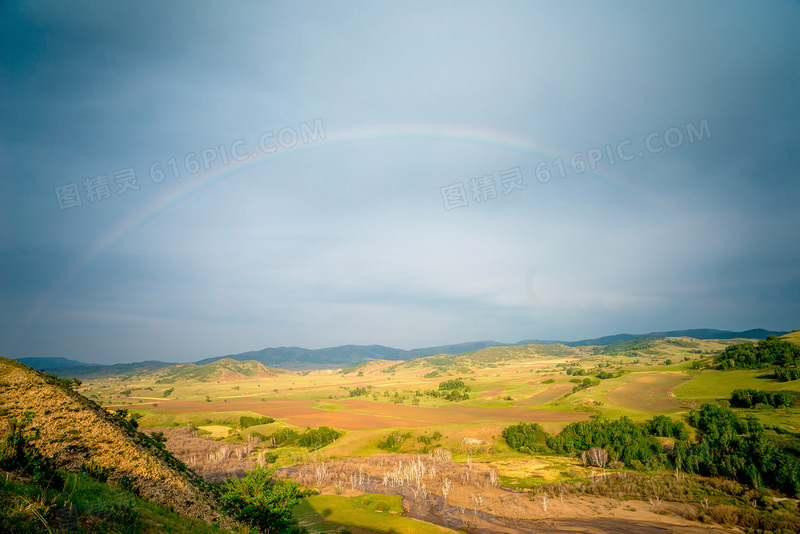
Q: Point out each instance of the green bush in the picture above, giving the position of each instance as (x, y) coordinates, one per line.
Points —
(285, 436)
(316, 438)
(262, 501)
(747, 398)
(393, 441)
(526, 437)
(663, 426)
(452, 384)
(247, 422)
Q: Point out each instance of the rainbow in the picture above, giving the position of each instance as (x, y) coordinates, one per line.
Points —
(180, 190)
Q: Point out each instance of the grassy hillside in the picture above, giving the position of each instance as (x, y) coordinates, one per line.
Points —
(793, 337)
(82, 436)
(85, 504)
(225, 369)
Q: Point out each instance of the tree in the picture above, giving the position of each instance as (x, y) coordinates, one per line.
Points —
(262, 501)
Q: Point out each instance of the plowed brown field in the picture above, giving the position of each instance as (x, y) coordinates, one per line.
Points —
(357, 414)
(649, 393)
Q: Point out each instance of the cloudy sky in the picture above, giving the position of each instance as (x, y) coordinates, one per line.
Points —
(184, 180)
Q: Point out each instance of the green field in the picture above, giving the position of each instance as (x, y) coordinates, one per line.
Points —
(375, 512)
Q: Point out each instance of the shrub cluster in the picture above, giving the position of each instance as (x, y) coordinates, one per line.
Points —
(786, 374)
(663, 426)
(316, 438)
(747, 398)
(263, 501)
(247, 422)
(526, 437)
(729, 447)
(393, 441)
(456, 383)
(766, 353)
(739, 449)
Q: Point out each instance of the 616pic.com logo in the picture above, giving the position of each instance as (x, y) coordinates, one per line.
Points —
(484, 188)
(99, 187)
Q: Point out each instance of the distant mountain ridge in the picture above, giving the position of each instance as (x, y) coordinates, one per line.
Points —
(295, 358)
(696, 333)
(50, 363)
(299, 358)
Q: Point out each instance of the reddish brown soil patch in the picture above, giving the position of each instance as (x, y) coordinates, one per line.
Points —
(238, 405)
(649, 393)
(357, 414)
(550, 394)
(490, 393)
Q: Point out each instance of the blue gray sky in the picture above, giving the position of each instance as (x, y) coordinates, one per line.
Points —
(188, 179)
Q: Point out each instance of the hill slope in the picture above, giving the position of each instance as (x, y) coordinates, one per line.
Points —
(225, 369)
(298, 358)
(793, 337)
(80, 433)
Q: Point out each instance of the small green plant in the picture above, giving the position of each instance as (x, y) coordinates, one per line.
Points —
(95, 471)
(262, 500)
(393, 441)
(129, 485)
(17, 453)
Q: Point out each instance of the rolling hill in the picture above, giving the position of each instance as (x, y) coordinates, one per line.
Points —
(82, 436)
(298, 358)
(793, 337)
(224, 369)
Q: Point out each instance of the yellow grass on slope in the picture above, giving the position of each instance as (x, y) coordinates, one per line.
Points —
(77, 431)
(793, 337)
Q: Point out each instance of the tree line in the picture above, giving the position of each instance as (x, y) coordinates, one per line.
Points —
(766, 353)
(729, 446)
(748, 398)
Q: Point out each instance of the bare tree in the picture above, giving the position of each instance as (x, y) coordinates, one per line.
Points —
(492, 482)
(321, 473)
(446, 484)
(542, 497)
(596, 456)
(656, 496)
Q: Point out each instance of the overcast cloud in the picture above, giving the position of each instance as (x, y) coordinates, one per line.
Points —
(343, 235)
